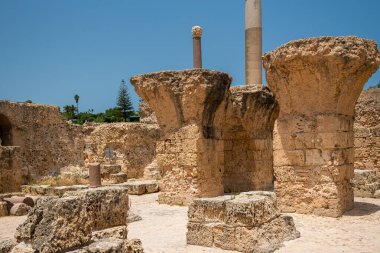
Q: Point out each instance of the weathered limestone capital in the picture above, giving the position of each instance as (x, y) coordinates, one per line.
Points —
(323, 74)
(181, 98)
(197, 31)
(317, 82)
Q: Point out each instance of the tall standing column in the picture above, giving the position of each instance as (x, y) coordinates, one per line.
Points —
(253, 42)
(316, 82)
(197, 47)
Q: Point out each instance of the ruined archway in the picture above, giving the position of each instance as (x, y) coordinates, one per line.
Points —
(5, 131)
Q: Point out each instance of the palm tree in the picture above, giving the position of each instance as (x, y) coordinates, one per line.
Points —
(76, 98)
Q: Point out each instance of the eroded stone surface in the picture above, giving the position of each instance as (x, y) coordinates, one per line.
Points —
(248, 118)
(105, 206)
(32, 146)
(248, 222)
(60, 224)
(190, 151)
(317, 82)
(367, 131)
(366, 184)
(128, 145)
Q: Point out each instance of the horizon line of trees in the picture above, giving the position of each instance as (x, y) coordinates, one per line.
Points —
(122, 112)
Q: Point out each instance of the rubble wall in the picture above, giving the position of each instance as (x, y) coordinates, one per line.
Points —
(367, 131)
(132, 145)
(36, 141)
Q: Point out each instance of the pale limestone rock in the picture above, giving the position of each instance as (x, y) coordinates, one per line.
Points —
(119, 232)
(61, 224)
(106, 206)
(7, 245)
(190, 151)
(367, 131)
(139, 187)
(22, 248)
(146, 113)
(248, 222)
(131, 146)
(56, 224)
(366, 183)
(39, 142)
(19, 209)
(248, 119)
(317, 82)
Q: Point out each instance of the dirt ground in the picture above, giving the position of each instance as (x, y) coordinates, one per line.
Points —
(163, 229)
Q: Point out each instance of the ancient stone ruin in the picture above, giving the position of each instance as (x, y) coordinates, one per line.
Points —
(36, 141)
(190, 151)
(367, 144)
(248, 117)
(317, 82)
(248, 222)
(87, 221)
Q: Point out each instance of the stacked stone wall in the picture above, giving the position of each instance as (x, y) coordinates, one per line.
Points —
(132, 146)
(39, 143)
(248, 121)
(367, 131)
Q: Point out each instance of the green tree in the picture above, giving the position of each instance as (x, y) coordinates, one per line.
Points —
(124, 101)
(76, 98)
(69, 111)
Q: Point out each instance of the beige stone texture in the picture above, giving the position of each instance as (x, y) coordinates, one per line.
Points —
(366, 184)
(60, 224)
(106, 206)
(190, 152)
(47, 190)
(146, 113)
(367, 131)
(36, 141)
(248, 118)
(317, 82)
(132, 146)
(248, 222)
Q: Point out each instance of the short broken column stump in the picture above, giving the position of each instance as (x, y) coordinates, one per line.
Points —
(248, 222)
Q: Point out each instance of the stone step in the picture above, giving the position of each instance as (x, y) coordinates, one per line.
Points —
(118, 178)
(139, 187)
(107, 169)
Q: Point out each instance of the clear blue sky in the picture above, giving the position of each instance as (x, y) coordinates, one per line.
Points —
(52, 50)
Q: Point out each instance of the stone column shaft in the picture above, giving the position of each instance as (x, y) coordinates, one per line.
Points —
(197, 47)
(94, 175)
(253, 42)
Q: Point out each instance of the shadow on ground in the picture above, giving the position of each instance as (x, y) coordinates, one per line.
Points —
(362, 209)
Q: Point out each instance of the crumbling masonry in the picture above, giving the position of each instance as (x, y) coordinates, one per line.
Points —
(317, 82)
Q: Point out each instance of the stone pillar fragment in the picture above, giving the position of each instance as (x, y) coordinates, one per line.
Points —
(197, 46)
(317, 82)
(253, 42)
(94, 175)
(248, 121)
(190, 152)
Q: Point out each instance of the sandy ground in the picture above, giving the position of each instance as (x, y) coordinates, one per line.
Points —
(163, 229)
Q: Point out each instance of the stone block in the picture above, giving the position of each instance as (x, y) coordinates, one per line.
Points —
(56, 224)
(118, 178)
(248, 222)
(19, 209)
(119, 232)
(106, 206)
